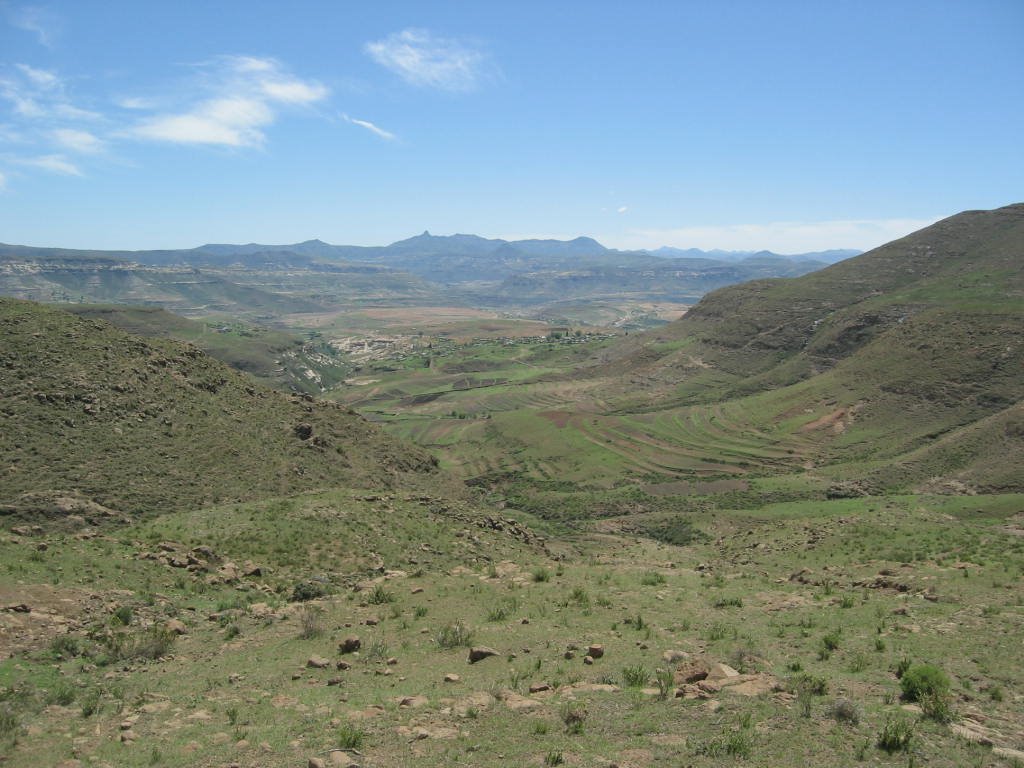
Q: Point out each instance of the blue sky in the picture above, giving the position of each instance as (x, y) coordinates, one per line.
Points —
(785, 125)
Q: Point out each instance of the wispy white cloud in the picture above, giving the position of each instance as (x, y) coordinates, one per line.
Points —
(622, 209)
(40, 94)
(43, 23)
(3, 181)
(78, 141)
(40, 77)
(424, 59)
(53, 163)
(135, 102)
(781, 237)
(246, 95)
(371, 127)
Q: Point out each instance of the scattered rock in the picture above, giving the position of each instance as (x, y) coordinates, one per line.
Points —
(480, 652)
(692, 672)
(350, 644)
(539, 687)
(177, 627)
(518, 703)
(316, 762)
(451, 677)
(413, 702)
(588, 660)
(341, 759)
(721, 671)
(595, 651)
(343, 665)
(318, 662)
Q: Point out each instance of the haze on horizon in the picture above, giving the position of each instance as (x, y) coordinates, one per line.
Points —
(786, 126)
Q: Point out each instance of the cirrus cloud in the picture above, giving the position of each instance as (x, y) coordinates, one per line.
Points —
(371, 127)
(424, 59)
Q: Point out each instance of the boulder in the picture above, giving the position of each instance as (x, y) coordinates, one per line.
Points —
(350, 644)
(595, 651)
(719, 671)
(480, 652)
(318, 662)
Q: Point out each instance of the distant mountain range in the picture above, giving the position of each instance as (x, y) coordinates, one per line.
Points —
(315, 276)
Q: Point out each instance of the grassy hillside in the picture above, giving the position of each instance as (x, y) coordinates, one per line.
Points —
(279, 358)
(965, 270)
(147, 424)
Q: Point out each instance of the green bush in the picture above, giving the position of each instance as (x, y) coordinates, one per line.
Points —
(923, 680)
(307, 590)
(122, 616)
(635, 676)
(380, 596)
(350, 736)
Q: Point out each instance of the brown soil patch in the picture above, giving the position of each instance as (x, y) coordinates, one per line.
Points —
(559, 418)
(52, 611)
(835, 421)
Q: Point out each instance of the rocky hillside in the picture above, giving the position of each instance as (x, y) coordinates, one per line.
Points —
(97, 415)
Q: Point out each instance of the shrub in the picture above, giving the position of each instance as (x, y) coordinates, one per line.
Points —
(728, 602)
(580, 597)
(554, 757)
(938, 706)
(66, 645)
(310, 622)
(574, 715)
(503, 610)
(121, 616)
(151, 644)
(651, 579)
(350, 736)
(90, 702)
(666, 682)
(540, 574)
(454, 635)
(380, 596)
(635, 676)
(63, 694)
(922, 680)
(307, 590)
(845, 711)
(736, 744)
(896, 734)
(8, 722)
